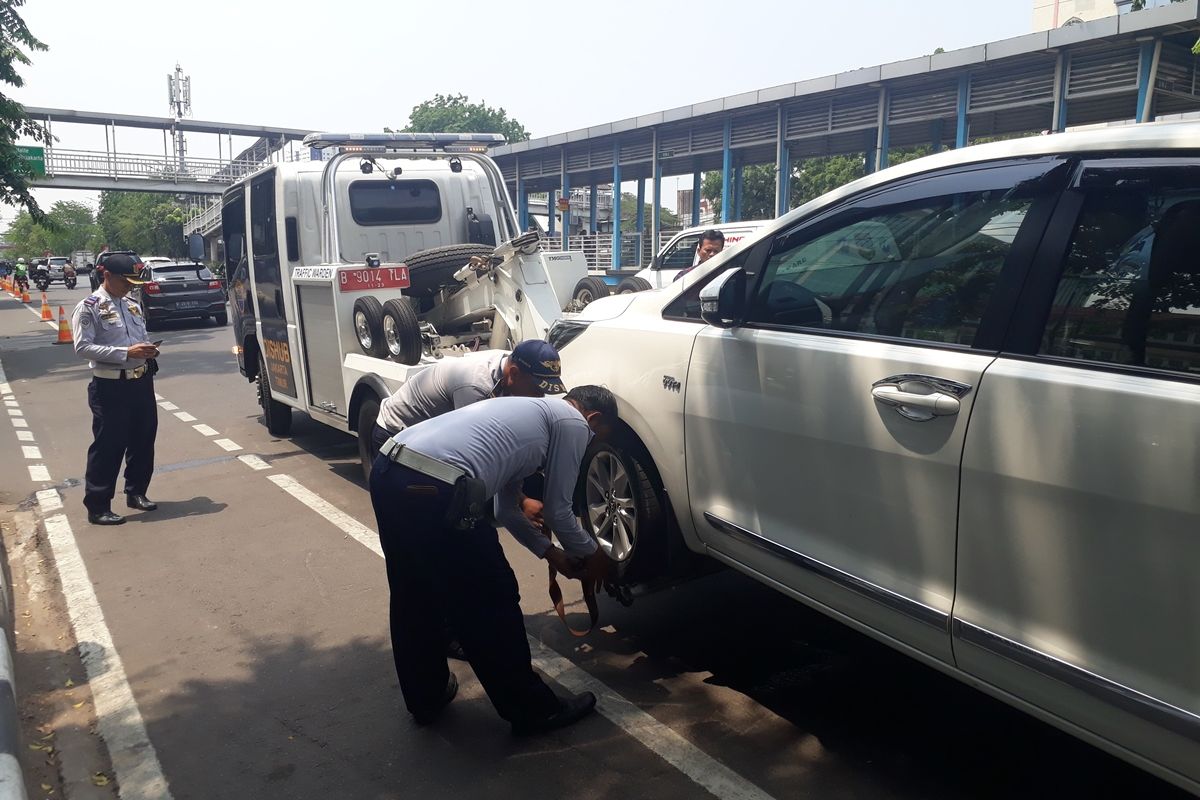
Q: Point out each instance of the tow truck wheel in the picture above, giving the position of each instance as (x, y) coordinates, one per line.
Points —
(633, 284)
(588, 289)
(276, 416)
(368, 412)
(368, 326)
(401, 331)
(623, 511)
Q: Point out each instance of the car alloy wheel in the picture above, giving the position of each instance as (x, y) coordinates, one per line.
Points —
(610, 505)
(362, 329)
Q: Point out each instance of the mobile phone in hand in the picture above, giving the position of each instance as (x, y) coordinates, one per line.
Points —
(156, 344)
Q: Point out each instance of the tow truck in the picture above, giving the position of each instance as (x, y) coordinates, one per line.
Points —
(351, 273)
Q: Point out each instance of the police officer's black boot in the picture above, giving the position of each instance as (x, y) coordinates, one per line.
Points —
(140, 502)
(105, 518)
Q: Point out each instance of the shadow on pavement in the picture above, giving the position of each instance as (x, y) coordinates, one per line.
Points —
(173, 509)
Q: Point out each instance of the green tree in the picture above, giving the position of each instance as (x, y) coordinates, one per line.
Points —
(666, 217)
(68, 227)
(147, 223)
(455, 113)
(15, 174)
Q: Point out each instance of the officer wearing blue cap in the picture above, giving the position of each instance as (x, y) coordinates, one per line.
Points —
(110, 332)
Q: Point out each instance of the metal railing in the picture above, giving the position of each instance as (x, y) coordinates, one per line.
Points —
(146, 167)
(203, 217)
(598, 248)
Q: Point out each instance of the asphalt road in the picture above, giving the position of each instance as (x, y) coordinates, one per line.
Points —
(253, 634)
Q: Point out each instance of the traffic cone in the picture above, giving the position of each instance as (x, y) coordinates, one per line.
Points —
(64, 328)
(25, 296)
(47, 314)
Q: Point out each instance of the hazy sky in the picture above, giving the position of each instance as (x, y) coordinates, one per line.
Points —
(553, 66)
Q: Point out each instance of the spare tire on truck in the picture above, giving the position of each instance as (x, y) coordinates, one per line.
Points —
(633, 284)
(588, 289)
(430, 270)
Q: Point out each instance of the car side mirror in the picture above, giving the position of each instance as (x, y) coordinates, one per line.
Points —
(723, 300)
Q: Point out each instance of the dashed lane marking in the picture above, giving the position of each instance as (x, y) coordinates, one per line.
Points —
(184, 416)
(204, 429)
(39, 473)
(32, 452)
(19, 422)
(158, 397)
(704, 770)
(227, 444)
(118, 718)
(49, 500)
(11, 403)
(253, 461)
(167, 405)
(24, 436)
(16, 412)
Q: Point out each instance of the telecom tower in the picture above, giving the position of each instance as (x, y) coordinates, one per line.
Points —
(179, 94)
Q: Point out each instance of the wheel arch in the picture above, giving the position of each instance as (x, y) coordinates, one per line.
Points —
(367, 385)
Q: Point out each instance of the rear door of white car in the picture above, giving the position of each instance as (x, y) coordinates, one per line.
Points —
(1079, 549)
(825, 433)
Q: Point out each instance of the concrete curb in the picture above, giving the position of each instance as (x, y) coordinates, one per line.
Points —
(12, 780)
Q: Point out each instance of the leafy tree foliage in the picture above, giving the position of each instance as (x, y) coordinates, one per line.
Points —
(147, 223)
(66, 228)
(455, 113)
(666, 217)
(15, 39)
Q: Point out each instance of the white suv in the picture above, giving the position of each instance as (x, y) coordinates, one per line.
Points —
(954, 404)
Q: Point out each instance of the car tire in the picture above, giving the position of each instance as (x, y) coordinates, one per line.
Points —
(368, 326)
(276, 416)
(368, 413)
(588, 289)
(222, 318)
(633, 284)
(430, 270)
(622, 509)
(401, 331)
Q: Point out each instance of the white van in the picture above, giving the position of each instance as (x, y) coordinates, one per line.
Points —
(680, 253)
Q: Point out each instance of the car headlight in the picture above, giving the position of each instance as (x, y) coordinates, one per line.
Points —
(563, 332)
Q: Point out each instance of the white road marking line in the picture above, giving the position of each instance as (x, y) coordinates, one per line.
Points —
(38, 472)
(204, 429)
(11, 402)
(19, 422)
(49, 500)
(158, 397)
(118, 717)
(5, 388)
(167, 405)
(227, 444)
(183, 416)
(340, 519)
(25, 436)
(253, 461)
(16, 412)
(31, 452)
(708, 773)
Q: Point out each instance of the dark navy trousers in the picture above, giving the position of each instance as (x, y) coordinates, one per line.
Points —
(124, 425)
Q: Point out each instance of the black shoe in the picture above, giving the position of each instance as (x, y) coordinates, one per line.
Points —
(454, 650)
(140, 502)
(428, 717)
(569, 712)
(105, 518)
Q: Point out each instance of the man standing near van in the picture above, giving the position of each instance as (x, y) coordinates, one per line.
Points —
(711, 242)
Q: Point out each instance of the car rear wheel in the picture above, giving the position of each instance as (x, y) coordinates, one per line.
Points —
(401, 331)
(368, 326)
(368, 413)
(276, 416)
(588, 289)
(622, 509)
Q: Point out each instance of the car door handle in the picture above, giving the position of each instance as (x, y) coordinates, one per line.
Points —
(920, 397)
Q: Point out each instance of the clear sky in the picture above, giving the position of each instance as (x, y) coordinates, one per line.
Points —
(552, 66)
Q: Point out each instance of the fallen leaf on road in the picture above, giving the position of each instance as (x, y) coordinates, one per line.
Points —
(47, 787)
(100, 779)
(77, 705)
(69, 683)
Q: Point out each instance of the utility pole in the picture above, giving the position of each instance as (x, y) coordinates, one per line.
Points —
(179, 95)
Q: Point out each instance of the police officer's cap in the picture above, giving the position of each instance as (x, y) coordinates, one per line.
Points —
(540, 359)
(126, 266)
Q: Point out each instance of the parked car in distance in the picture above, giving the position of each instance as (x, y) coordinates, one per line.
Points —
(181, 290)
(799, 411)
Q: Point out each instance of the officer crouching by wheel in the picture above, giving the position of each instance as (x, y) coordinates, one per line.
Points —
(432, 487)
(110, 332)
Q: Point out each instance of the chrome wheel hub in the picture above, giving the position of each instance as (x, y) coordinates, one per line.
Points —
(390, 337)
(362, 330)
(610, 506)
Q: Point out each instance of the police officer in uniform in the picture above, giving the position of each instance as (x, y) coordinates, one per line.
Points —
(432, 487)
(111, 333)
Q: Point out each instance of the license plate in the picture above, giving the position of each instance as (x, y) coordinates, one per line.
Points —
(188, 304)
(358, 280)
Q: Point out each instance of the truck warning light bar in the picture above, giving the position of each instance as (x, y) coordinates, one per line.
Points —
(383, 142)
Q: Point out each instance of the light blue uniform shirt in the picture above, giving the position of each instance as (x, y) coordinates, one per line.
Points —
(105, 328)
(504, 440)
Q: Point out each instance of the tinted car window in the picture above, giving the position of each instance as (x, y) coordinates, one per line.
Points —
(919, 270)
(395, 202)
(681, 255)
(178, 271)
(1130, 287)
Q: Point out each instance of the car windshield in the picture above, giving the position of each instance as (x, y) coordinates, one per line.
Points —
(180, 272)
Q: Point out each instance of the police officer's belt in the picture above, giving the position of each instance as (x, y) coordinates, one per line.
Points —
(426, 465)
(120, 374)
